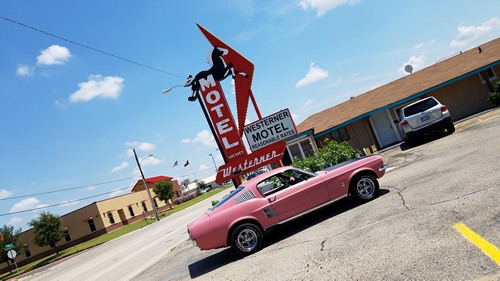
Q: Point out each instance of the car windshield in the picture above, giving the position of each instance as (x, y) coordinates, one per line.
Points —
(420, 106)
(227, 197)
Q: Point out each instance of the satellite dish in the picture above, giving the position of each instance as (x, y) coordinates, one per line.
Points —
(409, 68)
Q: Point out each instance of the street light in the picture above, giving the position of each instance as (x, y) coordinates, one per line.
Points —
(171, 88)
(145, 184)
(213, 161)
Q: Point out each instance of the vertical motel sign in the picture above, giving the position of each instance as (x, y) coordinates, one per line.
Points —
(206, 86)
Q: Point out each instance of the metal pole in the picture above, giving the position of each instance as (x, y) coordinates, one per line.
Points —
(215, 166)
(146, 186)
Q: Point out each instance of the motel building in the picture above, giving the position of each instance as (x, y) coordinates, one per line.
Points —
(96, 219)
(461, 81)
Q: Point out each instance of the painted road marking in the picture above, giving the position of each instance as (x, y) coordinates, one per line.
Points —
(489, 249)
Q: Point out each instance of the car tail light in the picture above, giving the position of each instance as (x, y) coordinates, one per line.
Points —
(444, 108)
(405, 123)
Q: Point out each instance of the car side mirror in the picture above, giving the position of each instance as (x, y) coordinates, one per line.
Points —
(396, 122)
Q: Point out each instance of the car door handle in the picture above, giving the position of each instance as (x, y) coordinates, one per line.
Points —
(271, 199)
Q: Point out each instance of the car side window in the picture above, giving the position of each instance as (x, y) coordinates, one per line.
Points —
(281, 181)
(271, 185)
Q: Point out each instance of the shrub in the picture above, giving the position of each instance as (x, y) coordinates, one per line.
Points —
(187, 197)
(494, 96)
(332, 153)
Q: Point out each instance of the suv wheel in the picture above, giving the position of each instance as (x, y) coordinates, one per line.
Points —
(450, 128)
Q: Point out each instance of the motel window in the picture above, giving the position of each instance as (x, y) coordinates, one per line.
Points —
(301, 149)
(490, 74)
(131, 211)
(340, 135)
(91, 225)
(66, 235)
(156, 203)
(110, 217)
(144, 207)
(27, 252)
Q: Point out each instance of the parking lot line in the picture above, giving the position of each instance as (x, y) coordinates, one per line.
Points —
(485, 246)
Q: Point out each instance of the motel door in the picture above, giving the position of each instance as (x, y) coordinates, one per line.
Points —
(384, 128)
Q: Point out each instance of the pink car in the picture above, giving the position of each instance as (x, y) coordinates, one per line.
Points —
(278, 196)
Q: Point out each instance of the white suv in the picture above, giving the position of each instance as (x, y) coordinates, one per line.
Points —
(423, 117)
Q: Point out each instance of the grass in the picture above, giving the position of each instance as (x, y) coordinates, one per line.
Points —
(110, 236)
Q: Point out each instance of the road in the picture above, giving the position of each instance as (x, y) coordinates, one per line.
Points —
(407, 233)
(125, 257)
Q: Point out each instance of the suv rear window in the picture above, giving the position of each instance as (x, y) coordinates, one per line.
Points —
(419, 107)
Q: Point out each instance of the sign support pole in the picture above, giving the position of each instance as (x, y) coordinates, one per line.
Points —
(236, 180)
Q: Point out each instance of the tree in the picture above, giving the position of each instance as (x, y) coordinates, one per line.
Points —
(165, 191)
(8, 236)
(47, 230)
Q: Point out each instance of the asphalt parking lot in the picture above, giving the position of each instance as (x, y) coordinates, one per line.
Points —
(412, 231)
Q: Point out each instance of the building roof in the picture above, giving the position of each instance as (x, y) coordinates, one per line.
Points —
(140, 186)
(404, 89)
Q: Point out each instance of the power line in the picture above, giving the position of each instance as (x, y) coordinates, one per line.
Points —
(63, 203)
(65, 189)
(90, 48)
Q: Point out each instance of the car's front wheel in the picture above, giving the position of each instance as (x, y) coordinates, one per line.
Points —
(246, 239)
(364, 187)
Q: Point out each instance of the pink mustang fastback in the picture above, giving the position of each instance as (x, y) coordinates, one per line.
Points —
(278, 196)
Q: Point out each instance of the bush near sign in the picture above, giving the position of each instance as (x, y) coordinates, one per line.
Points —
(268, 130)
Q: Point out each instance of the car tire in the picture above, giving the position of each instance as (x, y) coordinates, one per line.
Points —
(450, 128)
(364, 188)
(246, 239)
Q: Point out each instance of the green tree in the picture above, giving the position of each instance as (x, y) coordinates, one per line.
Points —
(47, 230)
(164, 190)
(330, 154)
(494, 96)
(8, 236)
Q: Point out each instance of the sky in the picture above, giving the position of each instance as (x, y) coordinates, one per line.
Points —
(81, 82)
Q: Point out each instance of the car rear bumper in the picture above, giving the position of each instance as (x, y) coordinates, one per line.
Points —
(436, 126)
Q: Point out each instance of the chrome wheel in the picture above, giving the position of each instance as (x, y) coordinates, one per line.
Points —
(366, 188)
(247, 240)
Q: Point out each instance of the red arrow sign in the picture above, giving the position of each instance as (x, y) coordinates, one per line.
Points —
(242, 83)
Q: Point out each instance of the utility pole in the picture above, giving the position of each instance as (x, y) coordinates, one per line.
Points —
(146, 185)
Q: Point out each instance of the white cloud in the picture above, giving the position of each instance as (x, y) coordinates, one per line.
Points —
(142, 146)
(15, 220)
(98, 86)
(323, 6)
(416, 63)
(122, 166)
(205, 167)
(469, 35)
(90, 188)
(24, 70)
(69, 202)
(54, 54)
(115, 193)
(204, 137)
(27, 204)
(4, 193)
(315, 74)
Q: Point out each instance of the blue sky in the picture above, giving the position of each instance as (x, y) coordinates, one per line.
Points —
(74, 105)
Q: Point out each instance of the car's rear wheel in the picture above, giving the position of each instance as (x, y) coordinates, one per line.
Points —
(364, 188)
(246, 239)
(450, 128)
